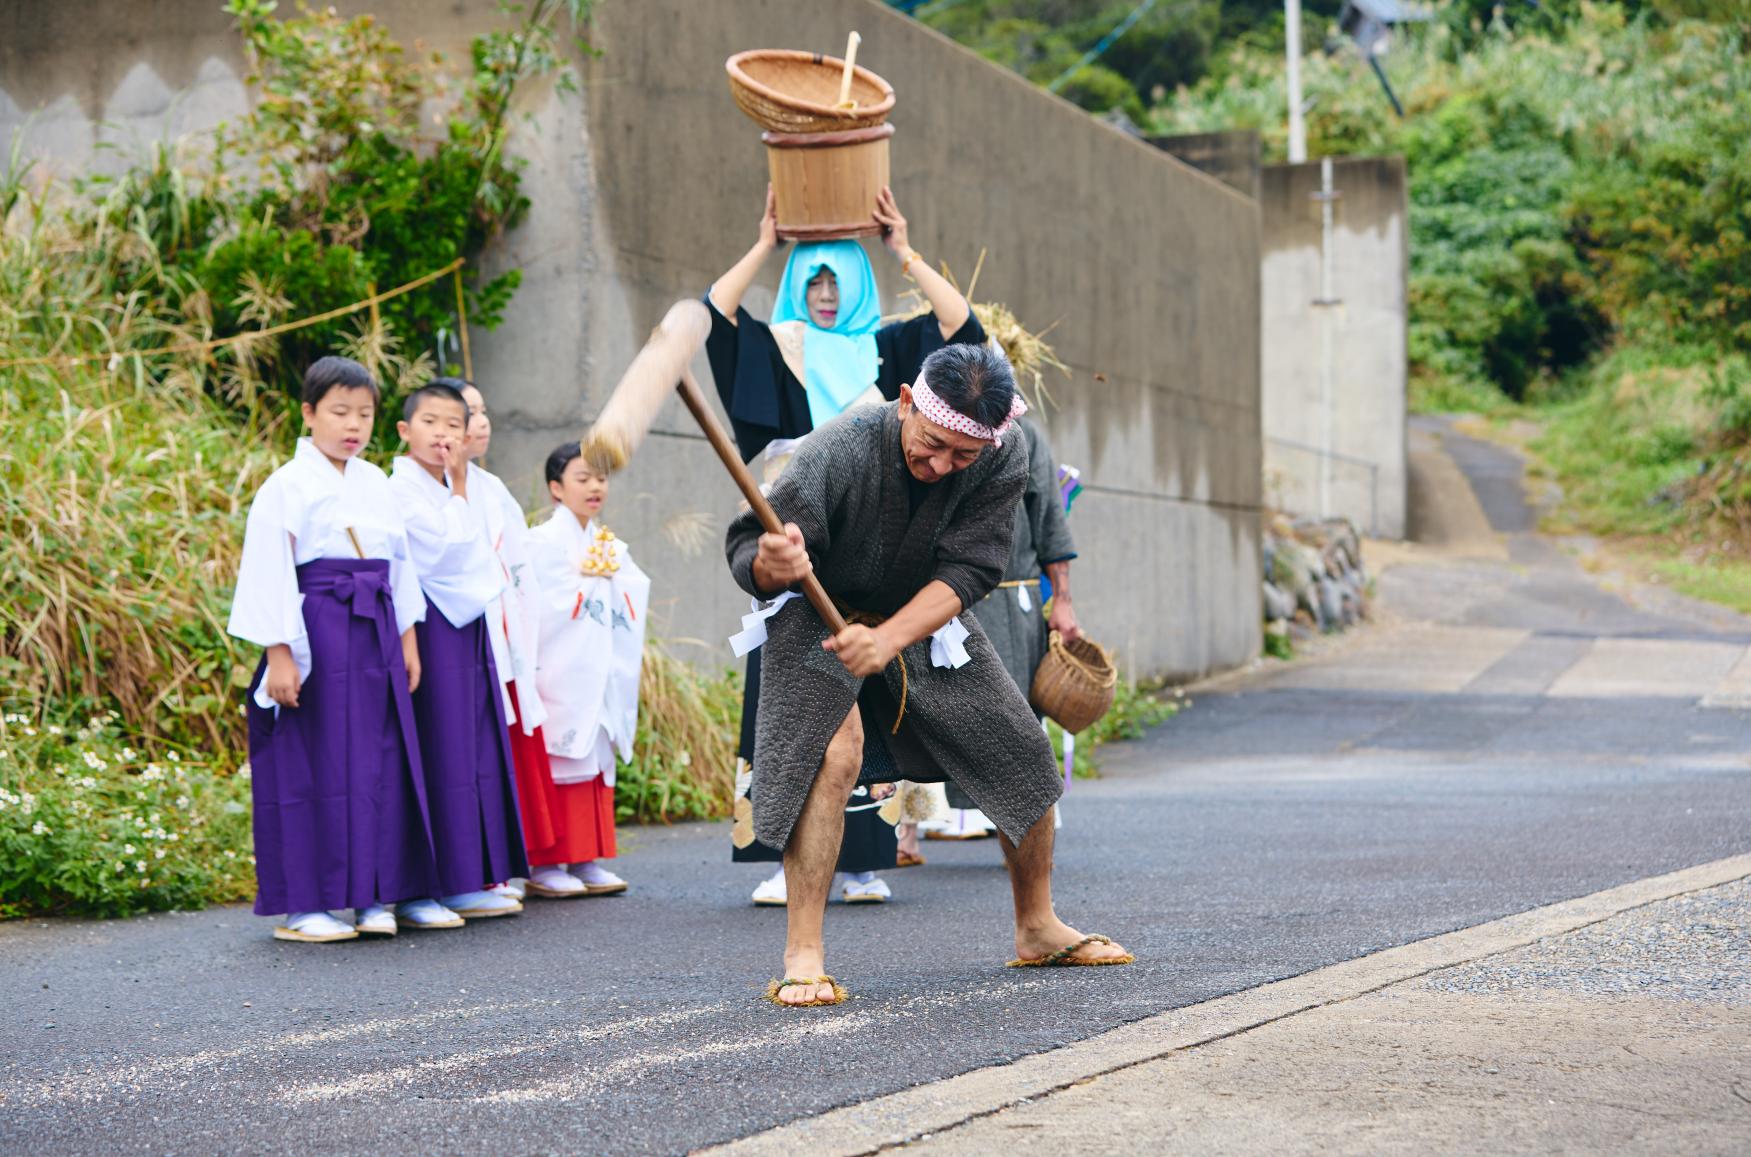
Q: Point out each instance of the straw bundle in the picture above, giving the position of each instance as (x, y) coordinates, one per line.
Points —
(648, 382)
(1029, 353)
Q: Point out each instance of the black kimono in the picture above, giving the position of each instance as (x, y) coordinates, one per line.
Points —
(765, 401)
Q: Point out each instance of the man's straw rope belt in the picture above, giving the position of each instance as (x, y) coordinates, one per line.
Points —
(871, 619)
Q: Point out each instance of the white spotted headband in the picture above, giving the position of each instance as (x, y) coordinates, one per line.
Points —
(948, 417)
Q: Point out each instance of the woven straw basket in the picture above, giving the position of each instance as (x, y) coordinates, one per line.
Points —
(787, 91)
(1075, 683)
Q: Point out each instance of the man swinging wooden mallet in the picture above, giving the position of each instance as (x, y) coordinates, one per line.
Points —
(904, 512)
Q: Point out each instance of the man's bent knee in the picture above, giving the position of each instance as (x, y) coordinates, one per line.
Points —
(844, 758)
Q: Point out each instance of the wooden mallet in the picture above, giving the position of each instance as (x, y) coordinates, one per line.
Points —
(659, 367)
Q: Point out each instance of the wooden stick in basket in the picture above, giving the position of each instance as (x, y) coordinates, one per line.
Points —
(851, 43)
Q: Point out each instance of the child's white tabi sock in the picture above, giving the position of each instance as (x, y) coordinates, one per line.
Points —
(553, 878)
(480, 904)
(427, 913)
(318, 926)
(595, 875)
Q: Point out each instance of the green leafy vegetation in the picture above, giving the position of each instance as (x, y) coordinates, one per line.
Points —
(1170, 45)
(1580, 241)
(1136, 708)
(127, 471)
(89, 825)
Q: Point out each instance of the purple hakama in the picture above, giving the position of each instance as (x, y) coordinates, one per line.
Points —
(340, 809)
(466, 748)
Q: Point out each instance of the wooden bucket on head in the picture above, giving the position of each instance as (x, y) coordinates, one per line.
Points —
(825, 184)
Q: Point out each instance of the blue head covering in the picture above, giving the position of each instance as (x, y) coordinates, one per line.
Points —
(839, 363)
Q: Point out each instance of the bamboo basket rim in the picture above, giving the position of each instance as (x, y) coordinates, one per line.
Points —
(878, 111)
(1104, 676)
(1075, 683)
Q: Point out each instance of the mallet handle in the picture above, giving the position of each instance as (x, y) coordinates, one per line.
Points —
(694, 399)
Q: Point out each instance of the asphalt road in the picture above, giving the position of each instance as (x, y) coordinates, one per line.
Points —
(1266, 832)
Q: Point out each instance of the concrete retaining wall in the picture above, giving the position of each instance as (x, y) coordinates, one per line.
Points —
(648, 184)
(1230, 157)
(1365, 460)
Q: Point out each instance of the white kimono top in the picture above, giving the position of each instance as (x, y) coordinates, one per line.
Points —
(302, 513)
(447, 537)
(514, 618)
(593, 604)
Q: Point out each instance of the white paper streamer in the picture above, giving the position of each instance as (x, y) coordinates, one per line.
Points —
(947, 642)
(753, 632)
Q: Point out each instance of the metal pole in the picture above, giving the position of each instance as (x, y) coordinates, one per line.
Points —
(1325, 336)
(1292, 54)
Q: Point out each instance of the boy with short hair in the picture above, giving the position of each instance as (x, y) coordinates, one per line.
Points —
(458, 709)
(326, 586)
(514, 622)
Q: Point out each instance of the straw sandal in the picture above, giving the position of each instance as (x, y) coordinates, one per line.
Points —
(909, 860)
(774, 987)
(284, 933)
(1067, 958)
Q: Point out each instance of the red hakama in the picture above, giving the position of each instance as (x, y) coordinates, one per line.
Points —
(563, 823)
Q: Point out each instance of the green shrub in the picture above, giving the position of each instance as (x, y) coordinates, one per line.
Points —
(89, 826)
(1136, 708)
(684, 757)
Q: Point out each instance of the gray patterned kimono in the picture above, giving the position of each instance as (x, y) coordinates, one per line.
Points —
(1042, 536)
(846, 489)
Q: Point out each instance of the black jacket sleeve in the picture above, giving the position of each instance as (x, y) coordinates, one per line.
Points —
(903, 346)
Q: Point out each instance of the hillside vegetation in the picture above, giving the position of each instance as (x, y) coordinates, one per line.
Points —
(1580, 249)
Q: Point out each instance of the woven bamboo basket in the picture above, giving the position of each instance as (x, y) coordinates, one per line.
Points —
(1075, 683)
(787, 91)
(825, 184)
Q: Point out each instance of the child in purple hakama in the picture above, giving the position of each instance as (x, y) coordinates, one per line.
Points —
(459, 707)
(326, 586)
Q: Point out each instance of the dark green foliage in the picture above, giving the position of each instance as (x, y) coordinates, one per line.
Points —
(1040, 39)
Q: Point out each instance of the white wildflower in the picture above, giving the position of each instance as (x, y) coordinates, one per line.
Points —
(160, 853)
(127, 849)
(39, 829)
(139, 865)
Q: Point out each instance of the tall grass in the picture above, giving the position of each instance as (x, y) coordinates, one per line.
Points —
(122, 485)
(688, 722)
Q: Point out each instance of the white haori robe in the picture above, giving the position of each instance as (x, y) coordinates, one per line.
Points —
(304, 512)
(592, 645)
(514, 618)
(447, 537)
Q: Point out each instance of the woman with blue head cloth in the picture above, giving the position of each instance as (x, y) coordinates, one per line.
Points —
(824, 350)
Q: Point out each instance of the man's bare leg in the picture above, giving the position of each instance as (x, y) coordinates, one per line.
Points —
(1038, 931)
(811, 856)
